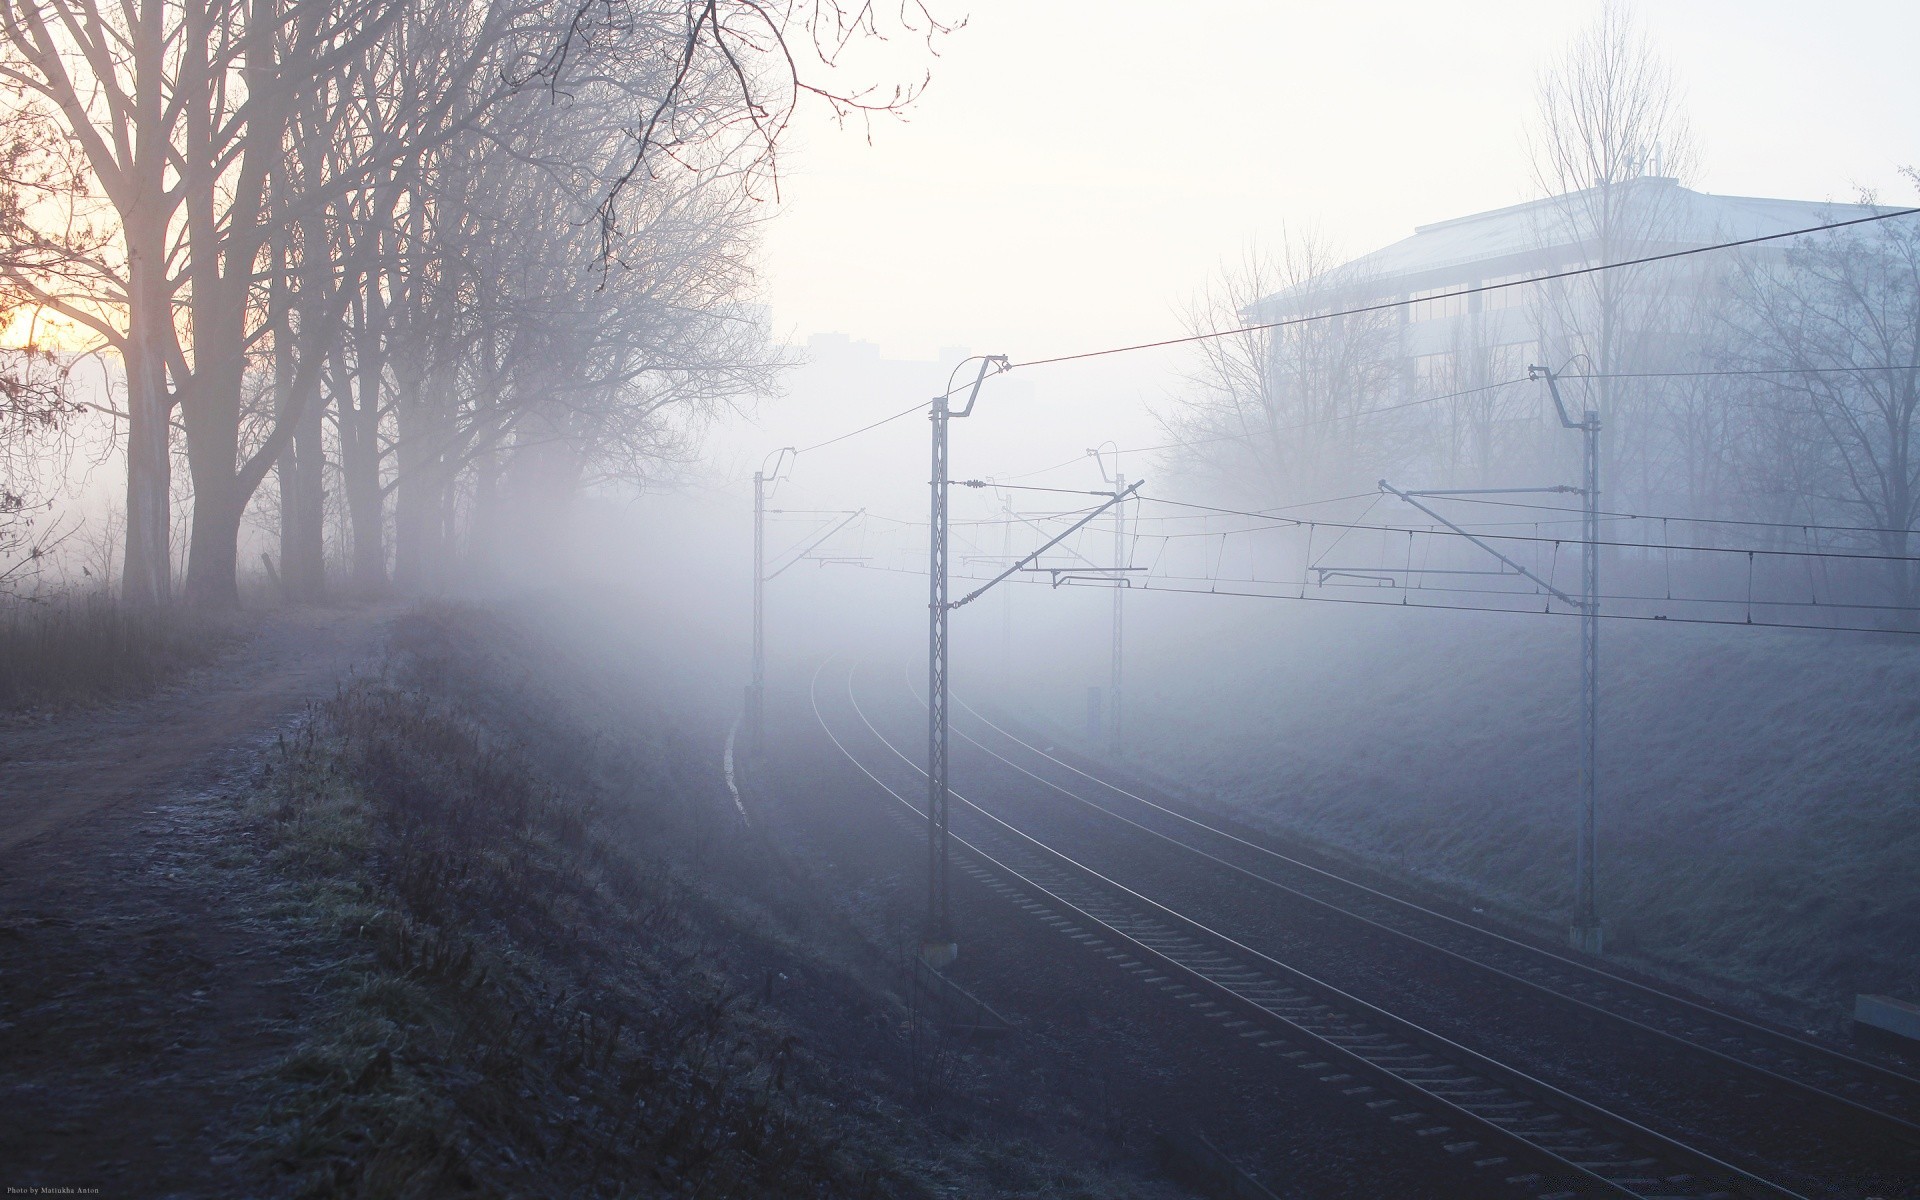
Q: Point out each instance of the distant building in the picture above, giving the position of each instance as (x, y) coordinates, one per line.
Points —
(1651, 215)
(1648, 322)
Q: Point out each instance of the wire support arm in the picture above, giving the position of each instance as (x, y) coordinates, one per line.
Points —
(1590, 423)
(976, 593)
(1442, 493)
(810, 547)
(1412, 498)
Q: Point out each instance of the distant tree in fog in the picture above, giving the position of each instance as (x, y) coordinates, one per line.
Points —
(1610, 132)
(278, 212)
(1269, 415)
(1829, 435)
(528, 367)
(36, 404)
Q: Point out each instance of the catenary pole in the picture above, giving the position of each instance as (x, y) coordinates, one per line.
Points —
(1586, 933)
(757, 684)
(764, 480)
(1114, 735)
(937, 945)
(1006, 598)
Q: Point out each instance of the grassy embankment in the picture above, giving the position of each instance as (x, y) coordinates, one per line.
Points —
(1759, 791)
(557, 967)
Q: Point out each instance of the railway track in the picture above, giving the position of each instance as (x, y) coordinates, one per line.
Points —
(1528, 1134)
(1877, 1098)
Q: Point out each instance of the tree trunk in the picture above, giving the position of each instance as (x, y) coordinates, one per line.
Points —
(214, 551)
(360, 463)
(301, 466)
(146, 575)
(211, 412)
(417, 498)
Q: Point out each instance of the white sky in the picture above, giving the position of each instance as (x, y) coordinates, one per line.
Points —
(1078, 168)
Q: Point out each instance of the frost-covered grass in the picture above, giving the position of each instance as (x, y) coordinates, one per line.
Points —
(554, 959)
(1759, 790)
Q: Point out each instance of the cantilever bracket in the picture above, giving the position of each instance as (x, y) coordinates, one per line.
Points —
(976, 593)
(1592, 421)
(1410, 498)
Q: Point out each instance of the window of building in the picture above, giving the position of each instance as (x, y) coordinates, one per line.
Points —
(1506, 297)
(1433, 305)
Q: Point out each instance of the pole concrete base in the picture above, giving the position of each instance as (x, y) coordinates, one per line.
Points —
(939, 955)
(1588, 939)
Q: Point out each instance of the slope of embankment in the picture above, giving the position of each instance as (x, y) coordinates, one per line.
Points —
(1759, 790)
(479, 924)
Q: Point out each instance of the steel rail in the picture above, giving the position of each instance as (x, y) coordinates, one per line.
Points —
(1300, 1001)
(1780, 1042)
(1893, 1123)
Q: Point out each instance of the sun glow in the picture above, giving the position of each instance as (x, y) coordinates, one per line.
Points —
(36, 327)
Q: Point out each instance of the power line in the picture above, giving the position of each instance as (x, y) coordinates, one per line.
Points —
(1295, 522)
(1477, 289)
(1247, 437)
(1355, 573)
(1803, 526)
(1663, 619)
(1743, 371)
(1288, 524)
(856, 432)
(1572, 272)
(1274, 521)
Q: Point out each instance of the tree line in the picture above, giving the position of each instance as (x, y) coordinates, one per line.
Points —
(1779, 383)
(432, 266)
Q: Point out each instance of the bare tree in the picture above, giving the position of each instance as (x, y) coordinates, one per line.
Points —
(1269, 416)
(286, 190)
(181, 112)
(1611, 139)
(1835, 325)
(36, 403)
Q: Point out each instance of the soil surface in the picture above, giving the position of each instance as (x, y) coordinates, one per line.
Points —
(143, 979)
(57, 768)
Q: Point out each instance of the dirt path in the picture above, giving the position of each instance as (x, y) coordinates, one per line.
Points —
(150, 970)
(55, 772)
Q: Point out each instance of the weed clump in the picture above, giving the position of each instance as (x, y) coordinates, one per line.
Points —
(526, 1010)
(78, 648)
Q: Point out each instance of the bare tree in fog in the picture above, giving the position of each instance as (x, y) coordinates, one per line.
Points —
(258, 201)
(1831, 438)
(737, 72)
(528, 363)
(1268, 416)
(36, 404)
(1490, 433)
(1611, 141)
(182, 113)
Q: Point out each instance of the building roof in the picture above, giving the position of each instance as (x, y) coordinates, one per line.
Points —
(1539, 233)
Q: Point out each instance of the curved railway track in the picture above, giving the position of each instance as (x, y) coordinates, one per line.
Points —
(1877, 1097)
(1530, 1135)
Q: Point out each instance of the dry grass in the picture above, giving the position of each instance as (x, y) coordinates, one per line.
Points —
(1760, 810)
(507, 1028)
(540, 989)
(79, 648)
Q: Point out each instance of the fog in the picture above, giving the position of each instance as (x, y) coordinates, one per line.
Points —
(786, 597)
